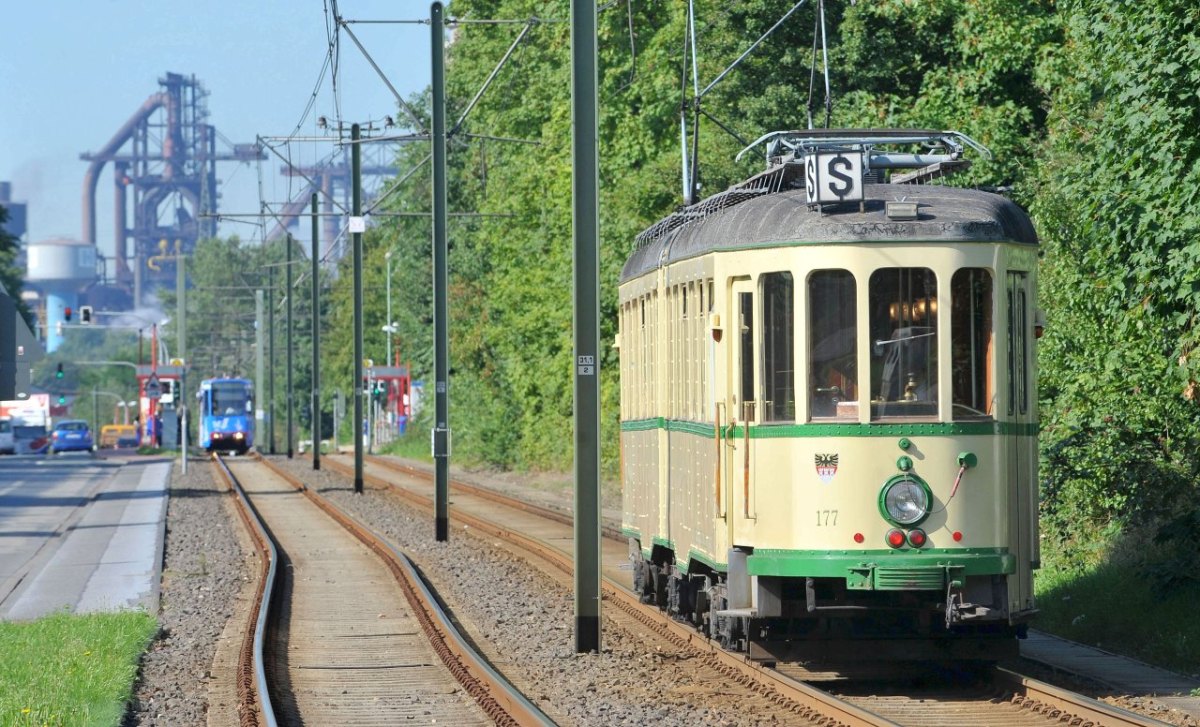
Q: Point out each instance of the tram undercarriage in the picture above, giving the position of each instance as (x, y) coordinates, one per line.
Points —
(820, 619)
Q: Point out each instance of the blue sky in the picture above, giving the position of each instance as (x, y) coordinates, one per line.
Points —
(72, 71)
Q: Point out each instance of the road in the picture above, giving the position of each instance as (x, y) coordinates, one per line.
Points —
(80, 533)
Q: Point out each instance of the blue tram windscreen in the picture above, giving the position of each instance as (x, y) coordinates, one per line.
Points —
(229, 399)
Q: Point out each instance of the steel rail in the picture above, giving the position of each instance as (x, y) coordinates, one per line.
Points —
(499, 699)
(802, 699)
(1064, 705)
(254, 700)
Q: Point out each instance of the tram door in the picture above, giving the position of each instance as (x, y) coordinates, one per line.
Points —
(741, 404)
(1020, 411)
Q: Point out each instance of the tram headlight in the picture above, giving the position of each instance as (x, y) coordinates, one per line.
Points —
(904, 500)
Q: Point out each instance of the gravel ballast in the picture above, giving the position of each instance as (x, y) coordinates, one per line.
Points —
(204, 569)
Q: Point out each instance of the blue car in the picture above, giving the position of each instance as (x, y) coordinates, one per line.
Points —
(71, 435)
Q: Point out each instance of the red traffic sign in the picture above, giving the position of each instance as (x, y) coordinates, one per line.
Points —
(153, 387)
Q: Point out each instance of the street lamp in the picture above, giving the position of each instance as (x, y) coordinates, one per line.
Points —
(126, 406)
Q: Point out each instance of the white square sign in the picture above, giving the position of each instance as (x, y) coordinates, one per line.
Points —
(835, 177)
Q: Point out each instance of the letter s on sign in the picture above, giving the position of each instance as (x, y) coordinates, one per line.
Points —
(835, 167)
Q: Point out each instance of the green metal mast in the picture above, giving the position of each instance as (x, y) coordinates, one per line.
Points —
(290, 398)
(315, 407)
(585, 154)
(356, 212)
(441, 306)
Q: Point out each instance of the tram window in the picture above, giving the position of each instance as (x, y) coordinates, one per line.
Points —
(676, 357)
(746, 342)
(833, 332)
(1022, 353)
(903, 308)
(972, 377)
(779, 335)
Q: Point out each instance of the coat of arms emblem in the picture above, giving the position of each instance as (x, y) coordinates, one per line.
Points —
(827, 465)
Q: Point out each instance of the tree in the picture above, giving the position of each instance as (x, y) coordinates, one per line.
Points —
(12, 276)
(1117, 208)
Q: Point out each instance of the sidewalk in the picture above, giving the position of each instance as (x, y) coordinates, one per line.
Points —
(1126, 677)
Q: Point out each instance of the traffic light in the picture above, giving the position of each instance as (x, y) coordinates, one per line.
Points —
(62, 399)
(67, 314)
(85, 315)
(58, 373)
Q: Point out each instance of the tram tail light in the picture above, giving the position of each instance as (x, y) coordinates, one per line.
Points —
(895, 538)
(917, 538)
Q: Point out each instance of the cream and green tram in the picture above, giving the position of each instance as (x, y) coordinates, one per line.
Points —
(829, 418)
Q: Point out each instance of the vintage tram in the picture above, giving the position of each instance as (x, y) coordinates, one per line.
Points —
(829, 405)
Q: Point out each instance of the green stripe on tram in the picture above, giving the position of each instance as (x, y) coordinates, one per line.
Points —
(787, 431)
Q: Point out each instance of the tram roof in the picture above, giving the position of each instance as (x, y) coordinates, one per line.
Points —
(945, 214)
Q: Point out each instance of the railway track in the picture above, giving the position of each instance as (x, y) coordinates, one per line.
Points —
(998, 697)
(345, 632)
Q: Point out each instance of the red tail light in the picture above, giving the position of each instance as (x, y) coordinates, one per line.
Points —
(917, 538)
(895, 538)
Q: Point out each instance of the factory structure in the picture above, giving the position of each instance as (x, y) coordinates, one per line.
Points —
(163, 168)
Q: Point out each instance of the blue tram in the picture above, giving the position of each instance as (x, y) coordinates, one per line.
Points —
(226, 414)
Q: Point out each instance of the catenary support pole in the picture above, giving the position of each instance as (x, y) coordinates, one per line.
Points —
(289, 295)
(181, 345)
(356, 219)
(441, 306)
(585, 155)
(271, 358)
(315, 407)
(259, 383)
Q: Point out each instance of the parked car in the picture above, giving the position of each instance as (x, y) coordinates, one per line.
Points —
(71, 435)
(7, 446)
(113, 436)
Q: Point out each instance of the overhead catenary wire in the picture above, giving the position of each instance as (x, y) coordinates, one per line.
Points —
(491, 77)
(750, 50)
(300, 172)
(690, 166)
(379, 71)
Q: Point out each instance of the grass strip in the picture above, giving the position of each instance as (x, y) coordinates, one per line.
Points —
(68, 669)
(1114, 607)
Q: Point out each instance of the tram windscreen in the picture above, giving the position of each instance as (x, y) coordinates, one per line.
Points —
(229, 399)
(903, 305)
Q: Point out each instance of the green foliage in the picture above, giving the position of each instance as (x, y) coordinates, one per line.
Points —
(1116, 205)
(960, 65)
(11, 276)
